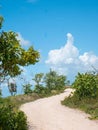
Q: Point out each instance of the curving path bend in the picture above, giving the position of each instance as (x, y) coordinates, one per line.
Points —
(49, 114)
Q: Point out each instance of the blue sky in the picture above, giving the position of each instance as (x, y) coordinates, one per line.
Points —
(64, 31)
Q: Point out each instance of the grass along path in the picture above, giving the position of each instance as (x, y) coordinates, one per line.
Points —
(49, 114)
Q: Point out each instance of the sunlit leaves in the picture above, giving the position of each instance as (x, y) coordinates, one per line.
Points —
(29, 57)
(55, 81)
(86, 85)
(12, 55)
(38, 78)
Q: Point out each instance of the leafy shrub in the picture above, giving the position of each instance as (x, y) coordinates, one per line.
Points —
(54, 81)
(38, 89)
(10, 119)
(85, 96)
(49, 84)
(89, 105)
(86, 85)
(27, 88)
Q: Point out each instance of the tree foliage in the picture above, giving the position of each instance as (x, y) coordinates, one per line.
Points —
(11, 119)
(38, 78)
(54, 81)
(38, 82)
(27, 88)
(50, 83)
(12, 55)
(86, 85)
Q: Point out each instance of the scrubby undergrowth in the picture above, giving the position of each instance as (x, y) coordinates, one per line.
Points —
(90, 106)
(11, 118)
(85, 96)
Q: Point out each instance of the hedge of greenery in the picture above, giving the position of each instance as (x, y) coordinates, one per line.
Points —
(85, 96)
(11, 119)
(86, 85)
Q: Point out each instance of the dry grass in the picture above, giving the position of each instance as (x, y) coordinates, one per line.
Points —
(19, 99)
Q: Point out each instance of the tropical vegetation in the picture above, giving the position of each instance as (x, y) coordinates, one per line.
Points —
(85, 96)
(12, 57)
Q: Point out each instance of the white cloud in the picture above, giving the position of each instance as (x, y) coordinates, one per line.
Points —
(23, 42)
(64, 55)
(88, 58)
(67, 59)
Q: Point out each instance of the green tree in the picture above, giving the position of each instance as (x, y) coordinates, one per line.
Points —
(54, 81)
(27, 88)
(86, 85)
(13, 56)
(38, 78)
(38, 81)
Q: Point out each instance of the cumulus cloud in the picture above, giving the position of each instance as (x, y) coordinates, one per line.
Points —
(64, 55)
(67, 59)
(89, 58)
(23, 42)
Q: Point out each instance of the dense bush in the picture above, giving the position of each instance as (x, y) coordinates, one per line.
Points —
(86, 85)
(39, 89)
(49, 84)
(27, 88)
(11, 119)
(85, 96)
(54, 81)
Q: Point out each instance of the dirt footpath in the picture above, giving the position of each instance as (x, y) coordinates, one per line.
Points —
(49, 114)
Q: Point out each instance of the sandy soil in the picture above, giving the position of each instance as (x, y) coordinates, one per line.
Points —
(49, 114)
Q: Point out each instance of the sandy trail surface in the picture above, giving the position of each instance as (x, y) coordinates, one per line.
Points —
(49, 114)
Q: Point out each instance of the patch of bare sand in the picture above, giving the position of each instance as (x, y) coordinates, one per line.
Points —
(49, 114)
